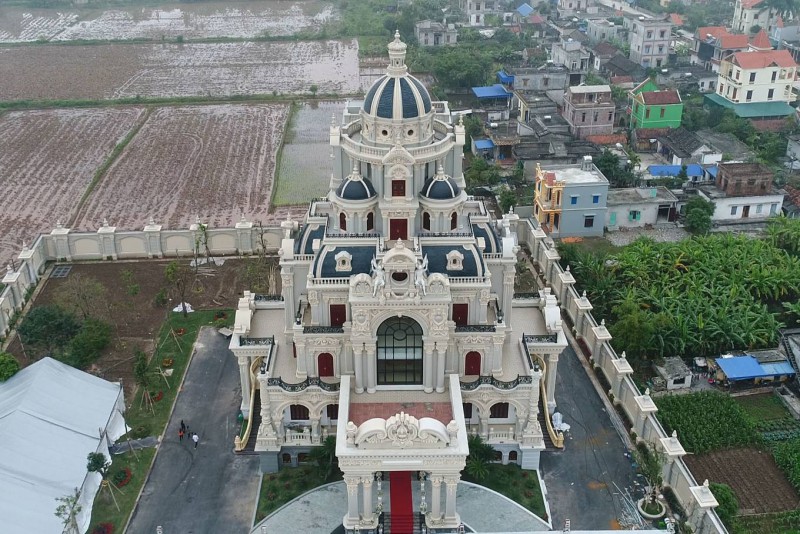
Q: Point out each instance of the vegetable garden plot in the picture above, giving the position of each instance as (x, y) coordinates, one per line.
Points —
(306, 164)
(19, 25)
(213, 162)
(759, 484)
(47, 160)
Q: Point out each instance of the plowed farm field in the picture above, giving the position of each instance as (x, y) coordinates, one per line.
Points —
(215, 162)
(167, 21)
(47, 160)
(752, 474)
(172, 70)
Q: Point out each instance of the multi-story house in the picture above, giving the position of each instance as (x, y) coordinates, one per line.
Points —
(603, 30)
(589, 110)
(712, 43)
(477, 10)
(548, 77)
(743, 191)
(748, 14)
(649, 40)
(758, 76)
(652, 108)
(601, 54)
(432, 33)
(396, 330)
(636, 207)
(568, 8)
(570, 200)
(572, 55)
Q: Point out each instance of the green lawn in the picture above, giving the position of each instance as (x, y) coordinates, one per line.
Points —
(785, 523)
(766, 407)
(147, 423)
(279, 488)
(104, 510)
(515, 483)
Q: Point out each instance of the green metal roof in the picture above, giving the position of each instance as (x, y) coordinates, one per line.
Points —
(753, 109)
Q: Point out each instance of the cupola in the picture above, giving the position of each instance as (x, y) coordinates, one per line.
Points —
(355, 187)
(440, 187)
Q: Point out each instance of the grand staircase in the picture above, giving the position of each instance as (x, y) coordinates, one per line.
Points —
(401, 527)
(401, 520)
(250, 447)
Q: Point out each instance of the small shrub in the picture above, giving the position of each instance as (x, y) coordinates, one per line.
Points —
(122, 477)
(8, 366)
(90, 340)
(160, 299)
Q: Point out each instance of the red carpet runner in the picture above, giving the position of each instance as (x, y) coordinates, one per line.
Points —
(401, 507)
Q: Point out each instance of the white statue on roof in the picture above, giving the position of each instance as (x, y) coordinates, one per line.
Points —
(379, 276)
(420, 279)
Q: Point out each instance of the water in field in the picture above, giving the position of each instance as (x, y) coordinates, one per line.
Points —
(306, 164)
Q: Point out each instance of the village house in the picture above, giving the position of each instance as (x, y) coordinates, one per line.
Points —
(748, 14)
(743, 191)
(589, 110)
(651, 107)
(712, 43)
(571, 54)
(649, 40)
(636, 207)
(679, 146)
(432, 33)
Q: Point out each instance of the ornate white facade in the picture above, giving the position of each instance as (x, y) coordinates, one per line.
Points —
(397, 329)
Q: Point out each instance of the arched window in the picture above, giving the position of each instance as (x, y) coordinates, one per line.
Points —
(454, 221)
(370, 221)
(499, 411)
(399, 352)
(343, 222)
(426, 221)
(298, 412)
(286, 458)
(512, 456)
(325, 364)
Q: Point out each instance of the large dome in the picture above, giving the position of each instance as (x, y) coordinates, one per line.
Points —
(397, 94)
(440, 187)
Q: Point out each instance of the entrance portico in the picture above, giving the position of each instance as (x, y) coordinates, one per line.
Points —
(402, 442)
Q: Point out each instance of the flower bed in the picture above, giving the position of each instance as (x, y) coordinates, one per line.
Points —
(103, 528)
(122, 477)
(155, 397)
(167, 363)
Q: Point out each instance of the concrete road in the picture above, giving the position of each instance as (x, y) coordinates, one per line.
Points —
(580, 479)
(208, 489)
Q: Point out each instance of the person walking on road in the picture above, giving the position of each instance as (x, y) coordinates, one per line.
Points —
(183, 426)
(195, 438)
(180, 434)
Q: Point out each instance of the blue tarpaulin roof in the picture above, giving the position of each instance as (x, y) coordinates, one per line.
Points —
(484, 144)
(672, 170)
(505, 77)
(712, 171)
(493, 91)
(524, 10)
(746, 367)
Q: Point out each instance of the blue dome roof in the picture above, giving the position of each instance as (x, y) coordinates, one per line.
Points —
(401, 97)
(440, 187)
(355, 188)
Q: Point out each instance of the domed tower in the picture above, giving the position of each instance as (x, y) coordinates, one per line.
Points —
(392, 144)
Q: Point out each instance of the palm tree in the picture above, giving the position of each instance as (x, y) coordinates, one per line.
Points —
(325, 457)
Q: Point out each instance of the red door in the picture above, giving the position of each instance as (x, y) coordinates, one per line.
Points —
(398, 229)
(325, 364)
(461, 314)
(472, 365)
(338, 314)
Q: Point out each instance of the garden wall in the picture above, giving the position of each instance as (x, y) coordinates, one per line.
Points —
(637, 407)
(107, 244)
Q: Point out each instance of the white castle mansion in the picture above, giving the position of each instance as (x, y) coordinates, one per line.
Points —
(397, 330)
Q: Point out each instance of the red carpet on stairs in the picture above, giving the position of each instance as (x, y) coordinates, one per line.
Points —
(402, 510)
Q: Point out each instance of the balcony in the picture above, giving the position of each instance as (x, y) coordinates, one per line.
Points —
(495, 383)
(501, 434)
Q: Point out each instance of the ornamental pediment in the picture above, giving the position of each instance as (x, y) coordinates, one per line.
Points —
(401, 431)
(398, 156)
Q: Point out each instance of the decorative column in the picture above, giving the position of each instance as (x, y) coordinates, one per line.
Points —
(567, 281)
(509, 275)
(674, 451)
(26, 257)
(496, 359)
(60, 237)
(532, 434)
(601, 335)
(622, 369)
(427, 370)
(244, 379)
(10, 279)
(538, 236)
(315, 431)
(436, 497)
(440, 357)
(267, 437)
(108, 246)
(704, 501)
(484, 424)
(645, 406)
(358, 363)
(584, 307)
(152, 238)
(244, 229)
(366, 486)
(291, 316)
(550, 381)
(552, 257)
(450, 515)
(371, 377)
(352, 518)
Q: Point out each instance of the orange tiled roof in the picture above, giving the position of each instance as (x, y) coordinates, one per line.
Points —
(676, 19)
(715, 31)
(733, 41)
(761, 59)
(608, 139)
(668, 96)
(761, 41)
(748, 4)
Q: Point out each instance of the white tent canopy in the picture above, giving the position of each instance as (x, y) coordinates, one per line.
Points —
(51, 417)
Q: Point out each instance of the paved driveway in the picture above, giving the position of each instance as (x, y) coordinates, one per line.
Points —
(208, 489)
(580, 479)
